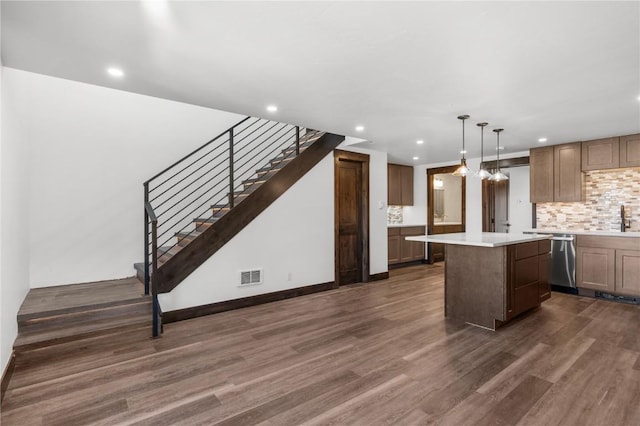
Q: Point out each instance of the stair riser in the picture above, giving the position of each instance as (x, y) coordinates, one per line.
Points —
(183, 241)
(61, 320)
(202, 226)
(146, 324)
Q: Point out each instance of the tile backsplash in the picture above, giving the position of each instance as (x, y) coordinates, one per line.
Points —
(605, 191)
(394, 215)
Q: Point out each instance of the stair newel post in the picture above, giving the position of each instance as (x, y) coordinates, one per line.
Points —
(231, 195)
(146, 239)
(297, 140)
(154, 269)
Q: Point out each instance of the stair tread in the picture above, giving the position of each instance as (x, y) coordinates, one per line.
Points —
(73, 297)
(206, 219)
(183, 234)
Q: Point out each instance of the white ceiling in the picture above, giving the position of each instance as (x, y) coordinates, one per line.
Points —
(567, 71)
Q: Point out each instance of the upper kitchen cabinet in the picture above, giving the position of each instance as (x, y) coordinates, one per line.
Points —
(567, 172)
(555, 173)
(399, 185)
(630, 151)
(601, 154)
(541, 174)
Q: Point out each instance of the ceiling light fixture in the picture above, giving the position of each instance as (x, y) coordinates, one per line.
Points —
(359, 128)
(420, 142)
(415, 158)
(498, 176)
(482, 173)
(542, 140)
(115, 72)
(272, 108)
(463, 170)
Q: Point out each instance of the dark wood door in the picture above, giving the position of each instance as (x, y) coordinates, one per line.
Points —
(349, 229)
(501, 203)
(351, 217)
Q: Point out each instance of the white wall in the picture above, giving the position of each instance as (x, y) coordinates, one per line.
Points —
(519, 205)
(90, 149)
(14, 217)
(292, 241)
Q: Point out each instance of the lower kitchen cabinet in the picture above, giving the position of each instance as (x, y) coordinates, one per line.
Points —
(628, 271)
(609, 264)
(401, 250)
(527, 276)
(596, 268)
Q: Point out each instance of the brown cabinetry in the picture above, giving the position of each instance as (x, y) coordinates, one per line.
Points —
(601, 154)
(567, 172)
(609, 264)
(401, 250)
(399, 185)
(541, 174)
(528, 276)
(555, 173)
(630, 151)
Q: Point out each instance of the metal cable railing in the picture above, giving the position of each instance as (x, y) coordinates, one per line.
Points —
(207, 181)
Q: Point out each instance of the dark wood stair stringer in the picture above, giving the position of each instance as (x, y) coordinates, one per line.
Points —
(194, 254)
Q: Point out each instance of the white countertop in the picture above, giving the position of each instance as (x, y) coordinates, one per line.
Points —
(484, 239)
(574, 232)
(404, 225)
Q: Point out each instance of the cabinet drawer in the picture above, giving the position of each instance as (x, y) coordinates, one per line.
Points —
(526, 271)
(525, 250)
(544, 246)
(413, 230)
(622, 243)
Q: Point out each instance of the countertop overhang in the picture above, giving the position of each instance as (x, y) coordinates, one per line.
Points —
(484, 239)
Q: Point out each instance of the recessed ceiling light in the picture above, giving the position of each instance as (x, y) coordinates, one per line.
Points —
(542, 140)
(115, 72)
(420, 142)
(415, 158)
(272, 108)
(500, 148)
(359, 128)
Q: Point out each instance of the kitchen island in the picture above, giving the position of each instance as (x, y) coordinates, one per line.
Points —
(492, 277)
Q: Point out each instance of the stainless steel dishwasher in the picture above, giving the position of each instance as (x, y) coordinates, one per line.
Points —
(563, 260)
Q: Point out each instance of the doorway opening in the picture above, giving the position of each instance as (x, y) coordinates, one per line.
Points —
(351, 171)
(505, 204)
(446, 201)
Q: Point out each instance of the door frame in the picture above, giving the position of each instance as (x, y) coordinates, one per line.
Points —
(488, 200)
(363, 159)
(431, 205)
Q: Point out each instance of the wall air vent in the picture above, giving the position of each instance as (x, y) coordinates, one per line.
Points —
(251, 277)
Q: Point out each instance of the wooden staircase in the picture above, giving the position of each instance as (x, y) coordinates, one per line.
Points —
(208, 234)
(52, 316)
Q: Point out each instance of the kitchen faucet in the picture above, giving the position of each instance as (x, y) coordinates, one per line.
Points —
(623, 226)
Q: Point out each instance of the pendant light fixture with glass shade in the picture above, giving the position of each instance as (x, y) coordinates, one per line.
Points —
(482, 173)
(498, 176)
(462, 170)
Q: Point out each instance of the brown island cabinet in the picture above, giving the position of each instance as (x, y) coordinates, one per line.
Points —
(493, 277)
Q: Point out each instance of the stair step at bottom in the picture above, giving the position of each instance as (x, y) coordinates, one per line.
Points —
(52, 321)
(69, 333)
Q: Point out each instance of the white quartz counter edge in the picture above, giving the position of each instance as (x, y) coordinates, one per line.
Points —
(404, 225)
(594, 233)
(485, 239)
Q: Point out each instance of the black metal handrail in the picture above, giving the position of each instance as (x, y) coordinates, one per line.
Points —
(206, 181)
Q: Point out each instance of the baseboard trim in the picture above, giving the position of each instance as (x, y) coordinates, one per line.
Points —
(379, 276)
(6, 375)
(215, 308)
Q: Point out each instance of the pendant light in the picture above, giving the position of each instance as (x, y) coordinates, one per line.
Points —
(463, 170)
(498, 175)
(482, 173)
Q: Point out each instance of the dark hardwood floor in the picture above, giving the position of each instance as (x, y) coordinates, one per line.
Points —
(376, 353)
